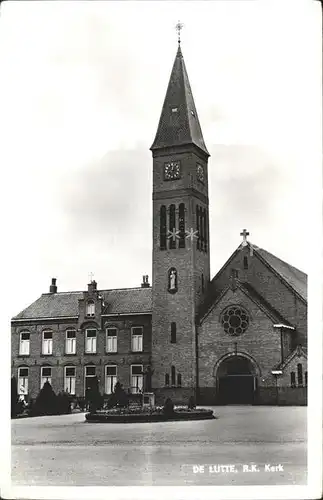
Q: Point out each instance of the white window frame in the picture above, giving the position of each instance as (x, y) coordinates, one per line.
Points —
(47, 344)
(23, 381)
(90, 308)
(111, 340)
(44, 378)
(90, 342)
(69, 380)
(24, 345)
(137, 340)
(136, 380)
(70, 343)
(110, 380)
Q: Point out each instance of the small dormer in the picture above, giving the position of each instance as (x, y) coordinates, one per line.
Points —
(90, 306)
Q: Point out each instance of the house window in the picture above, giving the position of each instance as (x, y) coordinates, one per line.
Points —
(181, 225)
(23, 373)
(45, 375)
(172, 226)
(174, 110)
(70, 342)
(245, 262)
(293, 379)
(305, 382)
(173, 333)
(90, 341)
(299, 375)
(163, 227)
(136, 338)
(24, 344)
(47, 347)
(166, 378)
(69, 379)
(137, 379)
(173, 375)
(110, 378)
(179, 380)
(90, 308)
(111, 345)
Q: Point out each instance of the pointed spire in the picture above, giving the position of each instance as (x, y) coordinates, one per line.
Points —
(179, 124)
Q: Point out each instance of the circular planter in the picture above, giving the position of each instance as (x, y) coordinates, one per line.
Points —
(148, 417)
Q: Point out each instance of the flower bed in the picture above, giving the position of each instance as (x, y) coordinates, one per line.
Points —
(155, 414)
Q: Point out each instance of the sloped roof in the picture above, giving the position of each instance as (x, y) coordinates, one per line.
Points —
(182, 126)
(294, 277)
(62, 304)
(298, 351)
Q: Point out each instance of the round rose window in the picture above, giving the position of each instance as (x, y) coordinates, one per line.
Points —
(235, 320)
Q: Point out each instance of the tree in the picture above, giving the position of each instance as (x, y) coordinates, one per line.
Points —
(14, 397)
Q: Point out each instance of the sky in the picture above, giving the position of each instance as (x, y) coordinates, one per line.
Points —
(81, 91)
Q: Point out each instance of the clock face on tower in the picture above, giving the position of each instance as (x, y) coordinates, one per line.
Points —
(172, 170)
(200, 173)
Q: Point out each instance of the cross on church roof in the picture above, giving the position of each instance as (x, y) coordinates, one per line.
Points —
(244, 234)
(179, 27)
(91, 276)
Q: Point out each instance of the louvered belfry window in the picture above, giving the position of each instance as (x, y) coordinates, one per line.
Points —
(172, 226)
(181, 225)
(163, 224)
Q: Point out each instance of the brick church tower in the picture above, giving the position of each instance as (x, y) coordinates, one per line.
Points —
(181, 251)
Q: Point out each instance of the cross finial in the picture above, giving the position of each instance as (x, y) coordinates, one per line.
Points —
(244, 234)
(91, 276)
(179, 27)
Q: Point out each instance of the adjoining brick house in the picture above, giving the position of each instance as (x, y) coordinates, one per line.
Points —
(238, 338)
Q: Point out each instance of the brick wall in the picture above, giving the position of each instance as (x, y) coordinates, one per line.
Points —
(261, 341)
(190, 264)
(271, 288)
(58, 360)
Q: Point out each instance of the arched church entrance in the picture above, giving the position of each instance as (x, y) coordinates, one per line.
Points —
(236, 381)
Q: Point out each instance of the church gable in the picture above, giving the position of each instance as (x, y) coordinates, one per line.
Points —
(237, 324)
(269, 280)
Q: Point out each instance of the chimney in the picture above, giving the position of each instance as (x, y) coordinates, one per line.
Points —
(53, 287)
(145, 283)
(92, 286)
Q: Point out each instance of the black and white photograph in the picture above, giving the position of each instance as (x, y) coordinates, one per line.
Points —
(162, 281)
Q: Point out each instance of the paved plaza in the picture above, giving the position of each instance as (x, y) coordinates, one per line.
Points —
(245, 445)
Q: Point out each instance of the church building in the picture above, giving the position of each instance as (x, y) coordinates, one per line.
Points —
(237, 338)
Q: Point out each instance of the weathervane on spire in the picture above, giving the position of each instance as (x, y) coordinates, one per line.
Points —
(179, 27)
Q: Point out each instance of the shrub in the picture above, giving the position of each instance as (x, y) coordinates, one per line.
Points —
(191, 403)
(14, 397)
(168, 409)
(119, 397)
(46, 402)
(63, 404)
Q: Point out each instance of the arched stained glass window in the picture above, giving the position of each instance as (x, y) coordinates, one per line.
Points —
(299, 374)
(173, 375)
